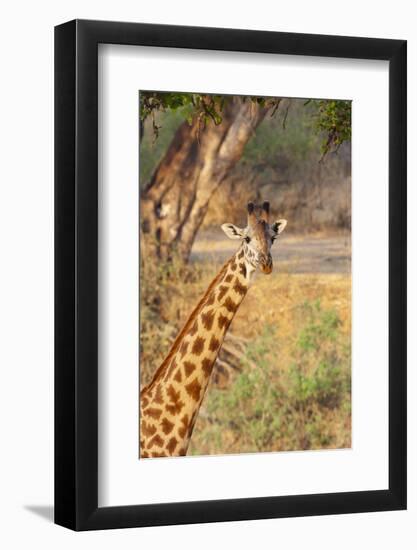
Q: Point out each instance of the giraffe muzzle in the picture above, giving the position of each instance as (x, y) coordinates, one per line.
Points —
(266, 265)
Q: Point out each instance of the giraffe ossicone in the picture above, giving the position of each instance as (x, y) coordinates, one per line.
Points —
(169, 404)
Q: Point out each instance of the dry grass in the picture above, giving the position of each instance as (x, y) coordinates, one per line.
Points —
(270, 410)
(298, 332)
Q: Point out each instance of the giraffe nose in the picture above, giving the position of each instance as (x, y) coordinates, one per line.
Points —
(265, 263)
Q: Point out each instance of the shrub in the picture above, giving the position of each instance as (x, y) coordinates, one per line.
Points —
(272, 406)
(168, 291)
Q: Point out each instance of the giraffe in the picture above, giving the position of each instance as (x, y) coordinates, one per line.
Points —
(169, 404)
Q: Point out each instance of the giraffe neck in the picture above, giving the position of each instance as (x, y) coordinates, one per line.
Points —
(170, 403)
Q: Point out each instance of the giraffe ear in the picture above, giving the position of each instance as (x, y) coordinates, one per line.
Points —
(232, 231)
(278, 227)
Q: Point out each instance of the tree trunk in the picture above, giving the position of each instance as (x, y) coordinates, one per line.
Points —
(175, 201)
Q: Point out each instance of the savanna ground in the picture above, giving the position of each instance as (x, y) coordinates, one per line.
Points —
(283, 380)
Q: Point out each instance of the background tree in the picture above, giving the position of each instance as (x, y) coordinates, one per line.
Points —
(207, 145)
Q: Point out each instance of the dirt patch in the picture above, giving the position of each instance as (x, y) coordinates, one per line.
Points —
(292, 254)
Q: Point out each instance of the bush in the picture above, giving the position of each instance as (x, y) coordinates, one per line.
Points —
(168, 290)
(272, 406)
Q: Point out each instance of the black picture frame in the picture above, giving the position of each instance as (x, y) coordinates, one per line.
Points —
(76, 272)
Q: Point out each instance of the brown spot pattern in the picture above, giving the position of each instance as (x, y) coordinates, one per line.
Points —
(189, 368)
(158, 395)
(241, 254)
(173, 394)
(211, 298)
(222, 291)
(178, 376)
(145, 402)
(144, 454)
(206, 366)
(167, 426)
(147, 429)
(177, 404)
(172, 443)
(153, 412)
(239, 288)
(230, 305)
(183, 430)
(198, 345)
(156, 440)
(228, 278)
(183, 348)
(233, 266)
(193, 329)
(242, 269)
(207, 319)
(223, 321)
(214, 344)
(194, 389)
(175, 409)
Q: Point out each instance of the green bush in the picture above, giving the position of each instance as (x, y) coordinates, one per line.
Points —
(273, 406)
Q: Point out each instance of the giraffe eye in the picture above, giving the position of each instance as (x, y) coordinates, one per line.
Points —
(247, 239)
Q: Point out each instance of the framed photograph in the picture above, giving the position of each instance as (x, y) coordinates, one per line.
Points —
(230, 255)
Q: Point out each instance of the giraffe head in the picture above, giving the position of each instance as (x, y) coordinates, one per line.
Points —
(257, 237)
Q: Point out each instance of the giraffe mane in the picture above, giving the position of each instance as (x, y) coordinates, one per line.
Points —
(175, 346)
